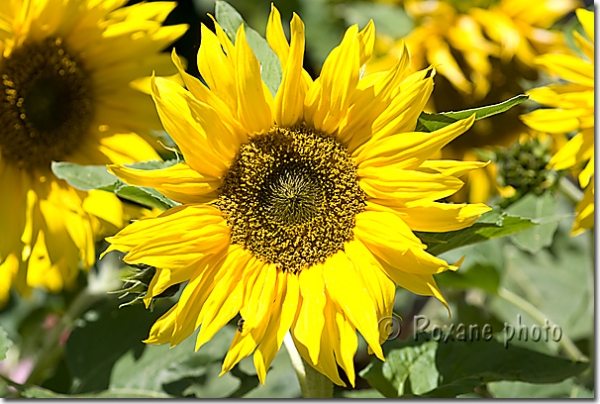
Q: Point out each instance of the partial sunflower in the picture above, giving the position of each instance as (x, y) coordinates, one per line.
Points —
(72, 74)
(571, 111)
(298, 207)
(484, 50)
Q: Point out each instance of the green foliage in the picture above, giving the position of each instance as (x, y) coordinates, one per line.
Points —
(229, 19)
(565, 389)
(427, 368)
(432, 122)
(559, 283)
(5, 343)
(484, 277)
(541, 210)
(84, 178)
(389, 19)
(106, 358)
(490, 225)
(87, 178)
(39, 392)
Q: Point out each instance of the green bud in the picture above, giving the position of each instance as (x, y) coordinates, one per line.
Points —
(136, 280)
(524, 167)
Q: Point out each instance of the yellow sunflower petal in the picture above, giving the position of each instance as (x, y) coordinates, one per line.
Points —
(253, 107)
(162, 329)
(405, 186)
(175, 114)
(554, 120)
(586, 18)
(289, 101)
(366, 37)
(284, 314)
(339, 77)
(585, 211)
(381, 288)
(216, 69)
(402, 113)
(391, 240)
(326, 362)
(345, 287)
(572, 153)
(569, 68)
(199, 229)
(409, 150)
(441, 217)
(310, 323)
(227, 295)
(178, 182)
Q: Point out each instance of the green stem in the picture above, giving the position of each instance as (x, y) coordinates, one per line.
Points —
(570, 190)
(313, 383)
(52, 351)
(565, 342)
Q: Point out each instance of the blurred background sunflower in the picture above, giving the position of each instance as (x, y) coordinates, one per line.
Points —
(485, 52)
(73, 77)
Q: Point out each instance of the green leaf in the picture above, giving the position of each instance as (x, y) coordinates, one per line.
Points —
(87, 178)
(105, 334)
(361, 394)
(281, 381)
(432, 122)
(230, 20)
(541, 209)
(39, 392)
(558, 281)
(484, 277)
(179, 371)
(5, 343)
(446, 368)
(144, 196)
(565, 389)
(389, 19)
(152, 164)
(490, 225)
(84, 178)
(406, 370)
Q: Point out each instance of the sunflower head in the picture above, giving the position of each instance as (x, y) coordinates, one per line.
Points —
(571, 112)
(298, 207)
(74, 84)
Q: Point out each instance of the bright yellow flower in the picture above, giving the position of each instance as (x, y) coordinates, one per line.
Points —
(483, 50)
(299, 207)
(462, 40)
(71, 71)
(572, 110)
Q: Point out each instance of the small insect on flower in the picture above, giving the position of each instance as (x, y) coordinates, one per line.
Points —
(299, 208)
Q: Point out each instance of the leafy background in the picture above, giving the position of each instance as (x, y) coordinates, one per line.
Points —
(520, 261)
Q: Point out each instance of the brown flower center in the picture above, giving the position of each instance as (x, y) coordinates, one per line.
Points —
(291, 197)
(46, 106)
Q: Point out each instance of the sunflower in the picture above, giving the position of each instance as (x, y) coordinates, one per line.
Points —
(462, 38)
(483, 50)
(299, 207)
(71, 73)
(571, 110)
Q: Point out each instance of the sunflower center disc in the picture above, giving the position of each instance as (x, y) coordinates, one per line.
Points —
(46, 105)
(291, 197)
